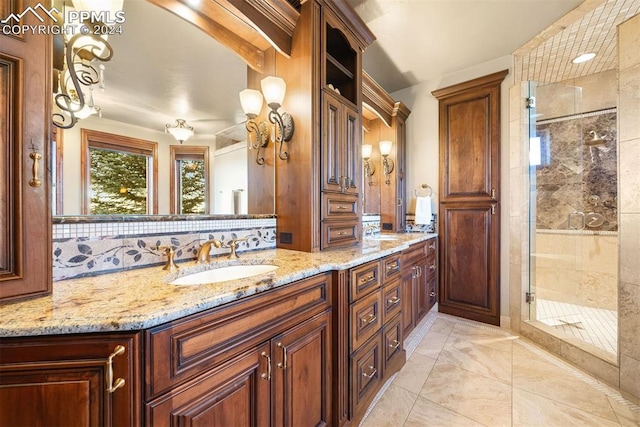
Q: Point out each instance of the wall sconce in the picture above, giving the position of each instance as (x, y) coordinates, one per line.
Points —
(369, 166)
(387, 163)
(251, 101)
(181, 131)
(74, 69)
(274, 89)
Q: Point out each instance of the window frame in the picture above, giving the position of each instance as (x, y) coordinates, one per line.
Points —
(126, 144)
(187, 152)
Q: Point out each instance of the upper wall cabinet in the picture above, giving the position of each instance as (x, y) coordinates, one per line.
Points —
(25, 219)
(318, 186)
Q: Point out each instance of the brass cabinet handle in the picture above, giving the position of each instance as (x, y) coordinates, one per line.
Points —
(119, 382)
(432, 266)
(35, 182)
(432, 294)
(393, 301)
(343, 233)
(341, 207)
(371, 374)
(283, 364)
(395, 344)
(267, 376)
(432, 246)
(493, 193)
(393, 266)
(369, 319)
(366, 279)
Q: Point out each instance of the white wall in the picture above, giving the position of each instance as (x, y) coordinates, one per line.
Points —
(71, 158)
(423, 151)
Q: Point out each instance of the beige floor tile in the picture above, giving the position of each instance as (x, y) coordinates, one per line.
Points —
(490, 337)
(536, 373)
(414, 373)
(442, 326)
(431, 344)
(392, 409)
(427, 413)
(626, 416)
(474, 396)
(480, 359)
(533, 410)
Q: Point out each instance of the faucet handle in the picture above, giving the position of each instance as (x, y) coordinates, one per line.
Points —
(234, 245)
(171, 264)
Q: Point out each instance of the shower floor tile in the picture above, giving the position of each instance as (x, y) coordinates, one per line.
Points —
(596, 326)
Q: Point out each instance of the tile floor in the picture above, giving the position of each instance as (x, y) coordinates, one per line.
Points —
(596, 326)
(464, 373)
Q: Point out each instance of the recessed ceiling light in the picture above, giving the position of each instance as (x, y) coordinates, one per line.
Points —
(584, 58)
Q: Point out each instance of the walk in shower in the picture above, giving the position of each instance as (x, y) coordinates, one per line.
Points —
(573, 211)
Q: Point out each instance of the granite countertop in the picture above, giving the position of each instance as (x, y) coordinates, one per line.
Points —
(142, 298)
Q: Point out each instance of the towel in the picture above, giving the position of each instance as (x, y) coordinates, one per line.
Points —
(423, 210)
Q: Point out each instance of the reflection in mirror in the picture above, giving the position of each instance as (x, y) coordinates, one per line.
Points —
(164, 69)
(189, 180)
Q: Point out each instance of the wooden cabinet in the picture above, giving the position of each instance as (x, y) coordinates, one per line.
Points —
(324, 92)
(376, 337)
(418, 285)
(25, 219)
(264, 360)
(73, 380)
(469, 214)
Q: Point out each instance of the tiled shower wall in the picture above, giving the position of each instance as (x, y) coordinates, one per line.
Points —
(91, 248)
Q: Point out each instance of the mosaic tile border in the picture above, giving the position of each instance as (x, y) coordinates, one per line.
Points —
(89, 249)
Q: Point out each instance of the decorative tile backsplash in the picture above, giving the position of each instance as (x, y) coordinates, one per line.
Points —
(91, 248)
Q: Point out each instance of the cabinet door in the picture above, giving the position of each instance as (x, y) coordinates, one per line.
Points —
(421, 287)
(25, 220)
(302, 357)
(332, 174)
(406, 292)
(237, 393)
(351, 160)
(64, 381)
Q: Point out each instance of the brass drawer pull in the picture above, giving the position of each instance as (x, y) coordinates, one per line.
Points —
(432, 294)
(367, 279)
(35, 181)
(395, 344)
(341, 207)
(432, 266)
(432, 246)
(283, 365)
(369, 319)
(371, 374)
(393, 266)
(267, 376)
(343, 233)
(119, 382)
(393, 301)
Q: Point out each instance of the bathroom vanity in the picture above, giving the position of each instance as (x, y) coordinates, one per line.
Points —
(310, 343)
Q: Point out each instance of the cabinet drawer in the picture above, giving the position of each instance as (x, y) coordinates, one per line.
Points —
(390, 268)
(394, 353)
(391, 300)
(340, 233)
(364, 279)
(336, 205)
(366, 319)
(432, 246)
(180, 350)
(366, 374)
(414, 253)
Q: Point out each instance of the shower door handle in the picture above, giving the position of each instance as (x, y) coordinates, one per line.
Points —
(581, 223)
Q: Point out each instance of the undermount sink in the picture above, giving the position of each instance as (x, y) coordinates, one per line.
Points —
(381, 237)
(222, 274)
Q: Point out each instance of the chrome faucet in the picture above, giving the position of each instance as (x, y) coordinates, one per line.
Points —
(204, 255)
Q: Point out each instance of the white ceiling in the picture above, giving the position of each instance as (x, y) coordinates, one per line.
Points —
(420, 40)
(164, 68)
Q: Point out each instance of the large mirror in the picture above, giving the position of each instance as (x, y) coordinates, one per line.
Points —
(163, 69)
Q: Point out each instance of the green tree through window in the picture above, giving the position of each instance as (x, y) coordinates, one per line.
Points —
(192, 186)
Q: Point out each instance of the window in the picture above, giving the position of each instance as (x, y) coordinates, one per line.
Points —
(189, 179)
(119, 174)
